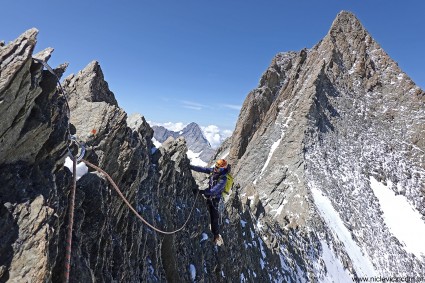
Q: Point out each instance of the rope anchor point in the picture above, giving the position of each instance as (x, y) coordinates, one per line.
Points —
(81, 148)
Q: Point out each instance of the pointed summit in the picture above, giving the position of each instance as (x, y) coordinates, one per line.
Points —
(93, 86)
(196, 141)
(346, 22)
(348, 36)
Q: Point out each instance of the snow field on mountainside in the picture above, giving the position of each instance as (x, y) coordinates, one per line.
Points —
(335, 269)
(280, 127)
(401, 218)
(361, 262)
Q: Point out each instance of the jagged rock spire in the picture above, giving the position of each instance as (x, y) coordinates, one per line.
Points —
(91, 85)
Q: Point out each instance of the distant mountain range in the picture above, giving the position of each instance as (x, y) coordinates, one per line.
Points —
(198, 145)
(200, 150)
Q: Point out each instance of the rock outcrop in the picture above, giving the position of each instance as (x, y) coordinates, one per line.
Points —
(34, 184)
(323, 124)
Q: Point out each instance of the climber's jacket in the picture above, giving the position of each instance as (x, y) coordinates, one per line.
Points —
(217, 180)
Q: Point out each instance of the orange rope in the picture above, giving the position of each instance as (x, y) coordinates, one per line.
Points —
(131, 207)
(70, 221)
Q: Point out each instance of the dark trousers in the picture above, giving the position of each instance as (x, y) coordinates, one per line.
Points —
(214, 214)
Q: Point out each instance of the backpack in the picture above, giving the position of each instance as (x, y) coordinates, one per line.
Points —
(227, 188)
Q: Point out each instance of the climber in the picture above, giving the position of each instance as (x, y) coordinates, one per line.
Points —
(216, 184)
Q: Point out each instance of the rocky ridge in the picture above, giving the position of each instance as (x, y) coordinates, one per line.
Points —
(109, 243)
(323, 124)
(33, 141)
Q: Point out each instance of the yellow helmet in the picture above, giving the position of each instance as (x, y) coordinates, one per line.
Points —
(221, 163)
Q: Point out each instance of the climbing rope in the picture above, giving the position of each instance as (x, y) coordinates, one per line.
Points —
(131, 207)
(75, 159)
(70, 221)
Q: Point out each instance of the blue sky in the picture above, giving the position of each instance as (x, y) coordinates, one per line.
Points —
(184, 61)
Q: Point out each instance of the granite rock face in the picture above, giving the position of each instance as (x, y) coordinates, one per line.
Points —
(324, 128)
(33, 183)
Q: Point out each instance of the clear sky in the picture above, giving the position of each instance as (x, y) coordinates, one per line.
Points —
(196, 60)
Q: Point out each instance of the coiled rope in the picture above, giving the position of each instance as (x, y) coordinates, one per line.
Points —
(131, 207)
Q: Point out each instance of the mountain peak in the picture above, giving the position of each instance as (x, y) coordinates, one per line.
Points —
(325, 128)
(192, 127)
(95, 87)
(346, 22)
(196, 141)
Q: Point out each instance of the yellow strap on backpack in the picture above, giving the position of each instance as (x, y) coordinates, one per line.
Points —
(227, 188)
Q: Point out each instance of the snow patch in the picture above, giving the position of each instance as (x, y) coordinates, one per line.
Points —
(194, 158)
(263, 252)
(361, 262)
(259, 225)
(334, 267)
(81, 167)
(278, 210)
(243, 223)
(204, 237)
(269, 157)
(402, 219)
(276, 144)
(192, 270)
(353, 68)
